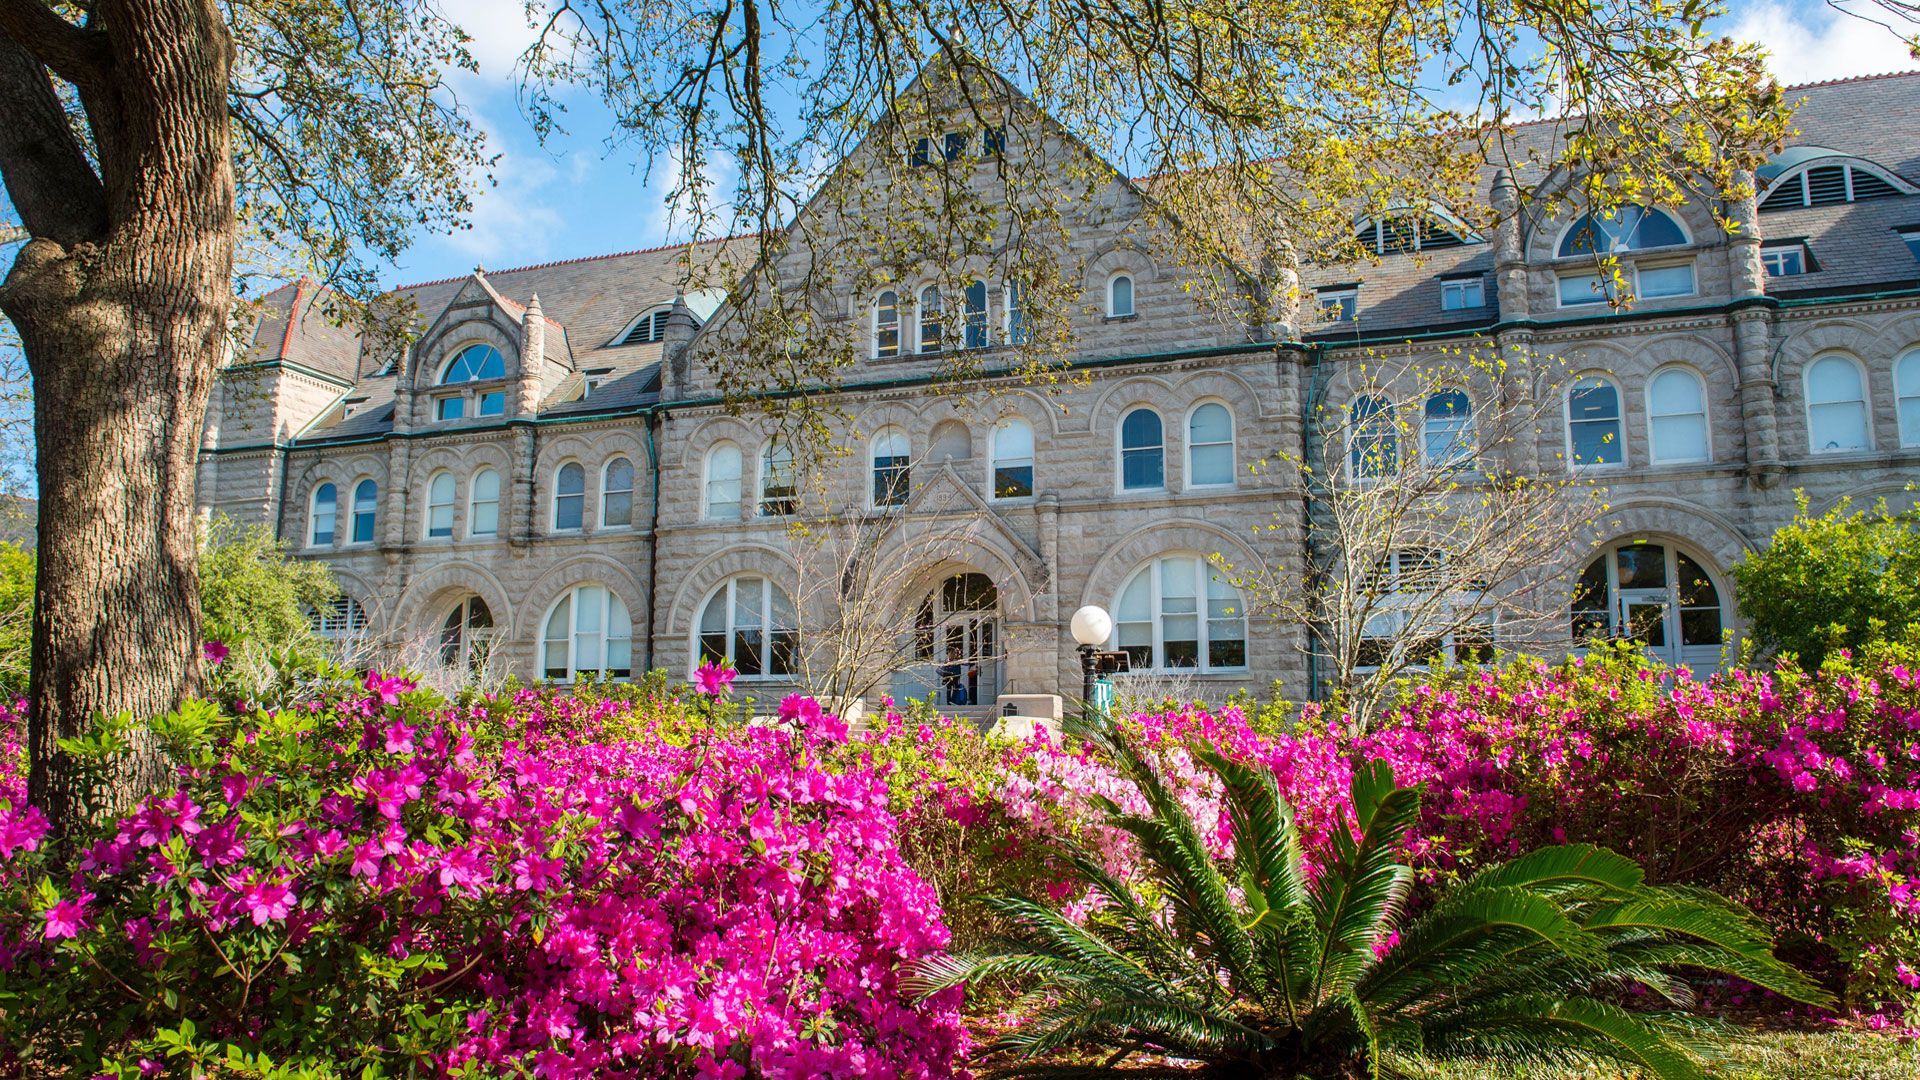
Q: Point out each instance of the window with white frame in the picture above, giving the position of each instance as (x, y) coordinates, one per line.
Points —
(1011, 451)
(1016, 314)
(886, 324)
(476, 363)
(1119, 296)
(466, 635)
(1143, 451)
(616, 494)
(323, 516)
(569, 497)
(440, 495)
(1210, 446)
(1677, 418)
(589, 634)
(1463, 293)
(975, 328)
(1178, 614)
(779, 481)
(1836, 406)
(722, 485)
(1631, 228)
(483, 504)
(1906, 387)
(366, 510)
(343, 617)
(1594, 433)
(929, 317)
(1446, 433)
(749, 623)
(1338, 303)
(892, 471)
(1373, 439)
(1785, 258)
(1403, 586)
(1657, 595)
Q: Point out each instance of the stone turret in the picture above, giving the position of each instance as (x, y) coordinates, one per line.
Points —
(527, 384)
(1509, 248)
(676, 340)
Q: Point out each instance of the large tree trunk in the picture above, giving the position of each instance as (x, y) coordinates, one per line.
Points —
(123, 324)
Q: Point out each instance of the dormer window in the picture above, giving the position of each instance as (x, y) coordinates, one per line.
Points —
(1786, 258)
(1910, 236)
(1403, 232)
(1338, 303)
(477, 363)
(647, 329)
(1463, 293)
(1631, 228)
(1825, 182)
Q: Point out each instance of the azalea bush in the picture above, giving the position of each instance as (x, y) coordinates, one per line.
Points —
(378, 883)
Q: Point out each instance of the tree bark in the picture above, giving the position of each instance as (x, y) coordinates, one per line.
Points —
(121, 301)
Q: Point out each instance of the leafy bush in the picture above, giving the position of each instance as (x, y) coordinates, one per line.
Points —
(376, 881)
(1255, 962)
(1838, 581)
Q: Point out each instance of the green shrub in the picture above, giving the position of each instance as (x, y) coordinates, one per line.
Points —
(1837, 581)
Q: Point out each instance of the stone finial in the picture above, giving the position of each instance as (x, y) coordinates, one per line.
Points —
(1509, 247)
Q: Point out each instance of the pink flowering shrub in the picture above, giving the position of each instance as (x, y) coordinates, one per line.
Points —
(537, 885)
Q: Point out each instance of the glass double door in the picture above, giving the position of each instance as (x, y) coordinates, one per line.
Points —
(1656, 595)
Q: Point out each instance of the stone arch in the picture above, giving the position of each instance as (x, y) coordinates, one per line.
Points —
(1696, 528)
(1150, 390)
(1122, 256)
(1899, 498)
(1901, 334)
(706, 575)
(1227, 386)
(581, 569)
(980, 552)
(1110, 572)
(419, 606)
(691, 451)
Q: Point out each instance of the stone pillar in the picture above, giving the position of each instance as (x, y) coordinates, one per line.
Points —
(533, 360)
(393, 529)
(1753, 352)
(1747, 276)
(676, 340)
(522, 509)
(1511, 292)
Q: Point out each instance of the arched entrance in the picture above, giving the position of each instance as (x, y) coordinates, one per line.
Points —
(957, 643)
(1656, 594)
(466, 635)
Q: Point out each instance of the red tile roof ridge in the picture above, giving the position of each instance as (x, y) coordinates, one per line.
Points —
(575, 259)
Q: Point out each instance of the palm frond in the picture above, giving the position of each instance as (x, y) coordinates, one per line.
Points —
(1560, 1029)
(1362, 886)
(1468, 933)
(1566, 865)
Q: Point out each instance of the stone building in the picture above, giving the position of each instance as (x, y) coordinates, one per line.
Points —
(550, 466)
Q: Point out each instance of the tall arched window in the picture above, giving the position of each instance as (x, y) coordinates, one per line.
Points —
(569, 497)
(1373, 440)
(1446, 434)
(366, 507)
(892, 471)
(325, 512)
(483, 504)
(1594, 434)
(466, 635)
(1677, 417)
(1011, 451)
(616, 494)
(587, 633)
(1906, 387)
(779, 482)
(886, 324)
(477, 363)
(976, 324)
(1143, 451)
(930, 319)
(1836, 406)
(440, 495)
(1119, 296)
(1210, 446)
(1631, 228)
(749, 622)
(722, 484)
(1655, 594)
(343, 618)
(1177, 613)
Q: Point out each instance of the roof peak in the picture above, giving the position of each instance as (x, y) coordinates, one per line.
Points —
(576, 259)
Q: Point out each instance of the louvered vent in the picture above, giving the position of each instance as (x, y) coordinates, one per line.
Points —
(1434, 236)
(1369, 237)
(1826, 185)
(1787, 197)
(1829, 185)
(649, 329)
(1868, 186)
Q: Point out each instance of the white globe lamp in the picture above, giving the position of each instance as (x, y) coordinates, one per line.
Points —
(1092, 626)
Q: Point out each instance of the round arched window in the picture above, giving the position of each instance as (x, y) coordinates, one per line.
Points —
(1656, 594)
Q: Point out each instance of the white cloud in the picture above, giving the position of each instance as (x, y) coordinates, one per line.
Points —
(513, 220)
(499, 31)
(1813, 41)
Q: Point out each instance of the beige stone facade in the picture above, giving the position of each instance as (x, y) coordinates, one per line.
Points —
(600, 425)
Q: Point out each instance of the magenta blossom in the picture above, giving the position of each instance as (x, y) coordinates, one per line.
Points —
(388, 690)
(67, 918)
(713, 679)
(214, 651)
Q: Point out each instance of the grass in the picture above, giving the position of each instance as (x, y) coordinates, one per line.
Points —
(1768, 1055)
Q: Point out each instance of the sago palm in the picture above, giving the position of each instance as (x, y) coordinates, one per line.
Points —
(1257, 967)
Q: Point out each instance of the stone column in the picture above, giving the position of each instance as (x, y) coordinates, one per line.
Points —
(533, 360)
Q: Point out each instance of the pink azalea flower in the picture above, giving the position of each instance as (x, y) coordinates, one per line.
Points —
(214, 651)
(388, 690)
(269, 902)
(399, 738)
(713, 679)
(67, 918)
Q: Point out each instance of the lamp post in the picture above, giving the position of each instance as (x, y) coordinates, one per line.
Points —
(1091, 627)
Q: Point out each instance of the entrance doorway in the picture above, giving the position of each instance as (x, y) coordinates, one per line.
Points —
(1657, 595)
(956, 634)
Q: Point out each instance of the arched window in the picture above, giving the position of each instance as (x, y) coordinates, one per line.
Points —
(749, 622)
(886, 324)
(343, 618)
(1677, 417)
(325, 512)
(1906, 387)
(892, 472)
(1631, 228)
(1655, 594)
(1210, 446)
(1012, 459)
(1836, 406)
(483, 504)
(956, 635)
(1143, 452)
(1373, 440)
(587, 633)
(930, 322)
(1446, 435)
(779, 483)
(1594, 435)
(466, 635)
(1178, 613)
(616, 494)
(569, 497)
(723, 483)
(648, 328)
(478, 362)
(366, 505)
(976, 326)
(1119, 296)
(1016, 314)
(440, 506)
